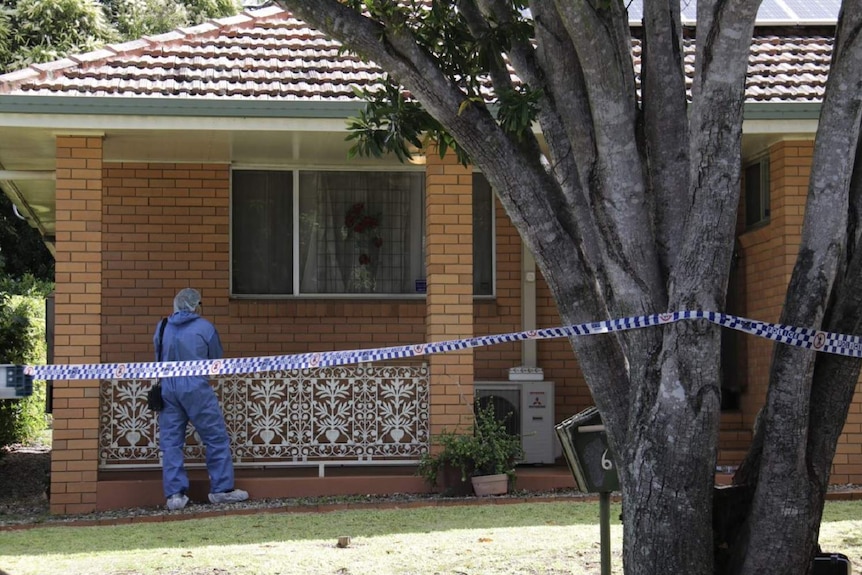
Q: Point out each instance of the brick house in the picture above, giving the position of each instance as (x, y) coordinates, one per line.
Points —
(214, 157)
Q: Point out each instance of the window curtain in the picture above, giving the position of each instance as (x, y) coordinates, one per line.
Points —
(261, 226)
(360, 232)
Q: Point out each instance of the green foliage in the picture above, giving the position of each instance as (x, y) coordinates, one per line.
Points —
(44, 30)
(26, 285)
(22, 252)
(490, 450)
(202, 10)
(388, 124)
(517, 110)
(138, 18)
(34, 31)
(5, 36)
(23, 420)
(22, 341)
(466, 50)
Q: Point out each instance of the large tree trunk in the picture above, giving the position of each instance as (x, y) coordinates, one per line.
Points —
(668, 470)
(632, 210)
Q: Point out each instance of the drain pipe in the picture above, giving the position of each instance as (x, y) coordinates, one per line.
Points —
(528, 305)
(528, 370)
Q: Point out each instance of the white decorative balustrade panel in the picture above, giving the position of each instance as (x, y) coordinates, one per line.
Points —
(365, 412)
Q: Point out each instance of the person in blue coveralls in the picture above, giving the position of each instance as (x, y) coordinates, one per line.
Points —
(188, 337)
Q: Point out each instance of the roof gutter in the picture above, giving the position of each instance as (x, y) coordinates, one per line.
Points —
(782, 110)
(226, 108)
(175, 106)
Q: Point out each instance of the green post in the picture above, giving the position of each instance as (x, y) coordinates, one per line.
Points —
(605, 531)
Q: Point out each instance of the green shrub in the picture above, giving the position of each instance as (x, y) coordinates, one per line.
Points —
(22, 341)
(490, 450)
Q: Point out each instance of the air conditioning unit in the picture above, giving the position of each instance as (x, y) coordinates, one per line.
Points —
(532, 406)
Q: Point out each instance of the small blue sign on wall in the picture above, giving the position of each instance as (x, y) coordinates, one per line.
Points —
(421, 286)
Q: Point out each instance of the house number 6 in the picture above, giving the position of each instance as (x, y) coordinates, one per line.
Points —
(607, 464)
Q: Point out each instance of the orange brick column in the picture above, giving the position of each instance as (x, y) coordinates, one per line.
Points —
(78, 327)
(449, 263)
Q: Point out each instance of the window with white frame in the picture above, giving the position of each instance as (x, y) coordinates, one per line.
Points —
(341, 233)
(757, 192)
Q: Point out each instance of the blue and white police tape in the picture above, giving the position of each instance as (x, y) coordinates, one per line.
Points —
(847, 345)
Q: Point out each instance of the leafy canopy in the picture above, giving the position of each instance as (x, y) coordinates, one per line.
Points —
(34, 31)
(467, 48)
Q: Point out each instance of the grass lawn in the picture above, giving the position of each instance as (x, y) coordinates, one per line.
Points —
(524, 538)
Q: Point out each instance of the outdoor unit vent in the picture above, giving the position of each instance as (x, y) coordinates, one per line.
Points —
(532, 406)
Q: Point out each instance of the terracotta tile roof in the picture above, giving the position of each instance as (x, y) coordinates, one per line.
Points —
(269, 55)
(788, 68)
(261, 55)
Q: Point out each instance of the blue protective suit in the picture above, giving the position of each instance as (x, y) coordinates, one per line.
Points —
(190, 337)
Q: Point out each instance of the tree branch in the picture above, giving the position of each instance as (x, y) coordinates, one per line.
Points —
(513, 175)
(798, 434)
(599, 32)
(724, 29)
(665, 122)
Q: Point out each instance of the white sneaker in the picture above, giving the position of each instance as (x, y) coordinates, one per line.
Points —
(177, 501)
(232, 496)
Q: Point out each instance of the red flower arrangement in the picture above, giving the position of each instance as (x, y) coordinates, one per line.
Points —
(357, 221)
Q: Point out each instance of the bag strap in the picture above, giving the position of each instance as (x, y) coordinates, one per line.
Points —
(161, 333)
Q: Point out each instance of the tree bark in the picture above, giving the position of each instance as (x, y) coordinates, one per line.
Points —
(634, 211)
(798, 435)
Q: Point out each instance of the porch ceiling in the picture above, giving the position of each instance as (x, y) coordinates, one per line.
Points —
(28, 155)
(28, 145)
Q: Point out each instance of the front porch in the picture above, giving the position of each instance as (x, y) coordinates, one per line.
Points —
(353, 430)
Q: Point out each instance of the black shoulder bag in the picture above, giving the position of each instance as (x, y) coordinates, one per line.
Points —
(154, 395)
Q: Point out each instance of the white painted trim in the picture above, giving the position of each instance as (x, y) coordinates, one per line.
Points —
(751, 127)
(10, 175)
(528, 306)
(94, 124)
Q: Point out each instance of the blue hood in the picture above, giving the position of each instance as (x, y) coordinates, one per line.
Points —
(182, 317)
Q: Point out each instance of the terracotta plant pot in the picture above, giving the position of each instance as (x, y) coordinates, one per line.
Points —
(490, 484)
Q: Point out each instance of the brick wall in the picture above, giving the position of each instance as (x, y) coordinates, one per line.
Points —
(167, 227)
(501, 314)
(77, 331)
(449, 299)
(768, 254)
(557, 358)
(122, 255)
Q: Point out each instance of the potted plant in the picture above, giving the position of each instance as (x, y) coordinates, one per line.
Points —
(487, 456)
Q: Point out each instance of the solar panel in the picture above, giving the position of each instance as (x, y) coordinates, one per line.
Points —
(636, 10)
(783, 11)
(688, 8)
(815, 9)
(771, 10)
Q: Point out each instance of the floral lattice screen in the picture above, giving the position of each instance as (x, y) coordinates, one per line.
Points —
(363, 412)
